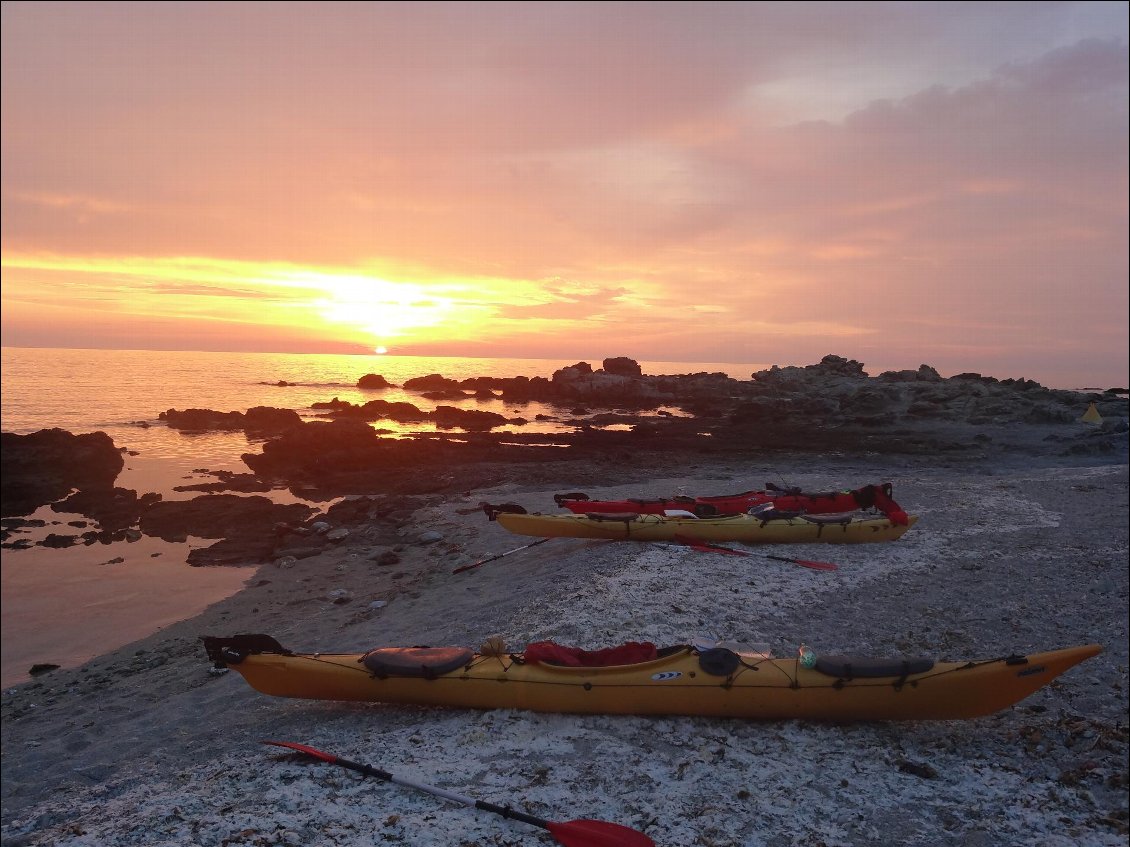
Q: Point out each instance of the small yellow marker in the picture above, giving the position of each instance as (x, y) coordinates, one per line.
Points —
(1092, 415)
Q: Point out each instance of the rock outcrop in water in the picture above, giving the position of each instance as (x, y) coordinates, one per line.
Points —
(245, 525)
(260, 420)
(45, 466)
(617, 415)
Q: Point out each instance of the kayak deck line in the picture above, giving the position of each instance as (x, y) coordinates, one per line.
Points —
(743, 528)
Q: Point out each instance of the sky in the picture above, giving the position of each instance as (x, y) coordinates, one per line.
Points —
(899, 183)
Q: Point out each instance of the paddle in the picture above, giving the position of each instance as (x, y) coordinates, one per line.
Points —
(705, 547)
(579, 833)
(462, 568)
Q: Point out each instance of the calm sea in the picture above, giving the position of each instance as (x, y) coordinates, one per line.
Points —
(65, 606)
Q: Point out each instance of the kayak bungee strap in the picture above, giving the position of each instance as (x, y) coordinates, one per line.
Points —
(613, 517)
(852, 667)
(826, 520)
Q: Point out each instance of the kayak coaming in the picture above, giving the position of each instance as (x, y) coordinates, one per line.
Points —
(744, 528)
(673, 684)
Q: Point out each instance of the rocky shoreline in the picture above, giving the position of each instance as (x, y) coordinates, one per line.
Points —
(614, 416)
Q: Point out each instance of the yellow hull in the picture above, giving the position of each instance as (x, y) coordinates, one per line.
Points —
(674, 684)
(746, 529)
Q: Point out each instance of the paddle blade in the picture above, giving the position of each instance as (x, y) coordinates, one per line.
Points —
(820, 566)
(589, 833)
(309, 751)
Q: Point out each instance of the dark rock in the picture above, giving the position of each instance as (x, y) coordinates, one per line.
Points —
(374, 381)
(472, 420)
(839, 366)
(623, 366)
(446, 394)
(975, 377)
(570, 374)
(919, 769)
(47, 465)
(304, 550)
(335, 403)
(431, 382)
(266, 419)
(228, 481)
(374, 410)
(200, 420)
(113, 508)
(258, 420)
(56, 541)
(218, 515)
(242, 550)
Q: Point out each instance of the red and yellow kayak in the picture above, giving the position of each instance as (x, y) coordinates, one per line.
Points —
(746, 529)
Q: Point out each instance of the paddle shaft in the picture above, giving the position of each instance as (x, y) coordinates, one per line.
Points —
(505, 811)
(500, 555)
(705, 546)
(807, 563)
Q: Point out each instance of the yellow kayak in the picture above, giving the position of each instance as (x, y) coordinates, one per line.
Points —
(745, 528)
(679, 680)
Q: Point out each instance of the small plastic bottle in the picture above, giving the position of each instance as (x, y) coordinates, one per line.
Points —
(807, 657)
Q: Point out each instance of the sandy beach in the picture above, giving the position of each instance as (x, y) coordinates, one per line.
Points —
(1012, 554)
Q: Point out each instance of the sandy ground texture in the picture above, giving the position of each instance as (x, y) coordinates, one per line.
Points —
(148, 747)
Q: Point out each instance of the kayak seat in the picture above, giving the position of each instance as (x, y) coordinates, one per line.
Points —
(551, 653)
(621, 517)
(852, 667)
(417, 662)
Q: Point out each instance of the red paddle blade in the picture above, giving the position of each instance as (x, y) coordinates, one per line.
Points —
(589, 833)
(820, 566)
(302, 748)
